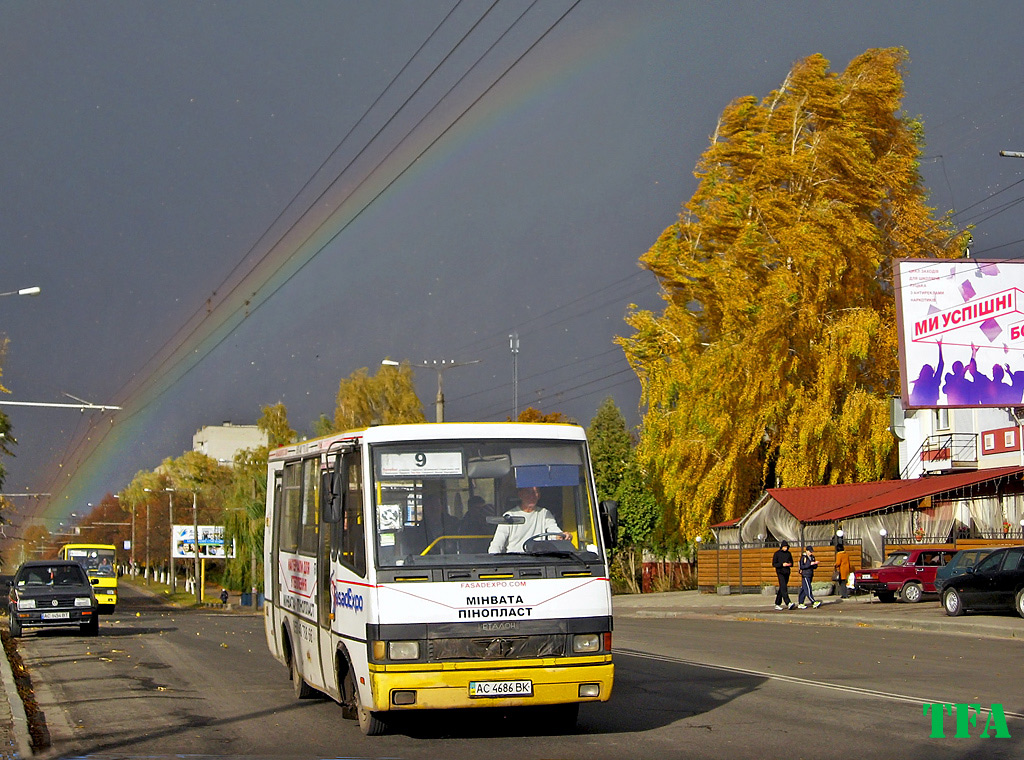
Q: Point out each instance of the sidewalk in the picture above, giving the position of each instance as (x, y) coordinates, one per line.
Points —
(861, 611)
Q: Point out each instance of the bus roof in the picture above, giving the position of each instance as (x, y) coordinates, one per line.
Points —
(434, 431)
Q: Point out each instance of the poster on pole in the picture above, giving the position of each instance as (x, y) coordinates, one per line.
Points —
(211, 542)
(961, 332)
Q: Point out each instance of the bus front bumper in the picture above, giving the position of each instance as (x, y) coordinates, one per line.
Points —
(451, 688)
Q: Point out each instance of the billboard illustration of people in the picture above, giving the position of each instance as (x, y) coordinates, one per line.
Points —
(961, 332)
(211, 542)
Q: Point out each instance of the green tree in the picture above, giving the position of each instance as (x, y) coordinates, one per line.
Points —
(775, 356)
(387, 398)
(244, 518)
(204, 478)
(610, 448)
(639, 522)
(246, 500)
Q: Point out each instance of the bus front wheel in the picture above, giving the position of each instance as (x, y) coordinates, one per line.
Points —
(302, 689)
(370, 722)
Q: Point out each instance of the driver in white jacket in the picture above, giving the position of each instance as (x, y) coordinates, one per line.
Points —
(537, 520)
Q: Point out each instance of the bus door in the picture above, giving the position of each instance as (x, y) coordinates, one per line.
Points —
(272, 611)
(297, 535)
(343, 577)
(325, 588)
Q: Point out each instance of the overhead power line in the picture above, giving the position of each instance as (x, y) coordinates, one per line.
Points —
(178, 363)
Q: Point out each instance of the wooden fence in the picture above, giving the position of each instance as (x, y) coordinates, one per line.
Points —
(749, 569)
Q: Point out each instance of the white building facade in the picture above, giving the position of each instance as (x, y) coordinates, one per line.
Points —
(222, 442)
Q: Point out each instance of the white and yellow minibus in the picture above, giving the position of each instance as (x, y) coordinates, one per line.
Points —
(433, 566)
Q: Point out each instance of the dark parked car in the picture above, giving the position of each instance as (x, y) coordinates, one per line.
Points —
(995, 583)
(959, 564)
(911, 574)
(49, 593)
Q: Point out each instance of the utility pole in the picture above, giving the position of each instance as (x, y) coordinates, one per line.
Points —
(513, 344)
(439, 367)
(195, 546)
(149, 569)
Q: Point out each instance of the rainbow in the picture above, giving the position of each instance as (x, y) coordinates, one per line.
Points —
(456, 134)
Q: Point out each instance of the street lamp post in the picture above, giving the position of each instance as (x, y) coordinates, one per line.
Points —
(513, 344)
(439, 367)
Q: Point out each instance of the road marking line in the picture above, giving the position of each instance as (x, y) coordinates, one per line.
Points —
(797, 680)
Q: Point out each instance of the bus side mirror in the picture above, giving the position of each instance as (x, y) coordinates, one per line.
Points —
(333, 487)
(609, 513)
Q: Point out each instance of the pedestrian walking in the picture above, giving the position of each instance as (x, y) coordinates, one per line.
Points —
(808, 564)
(782, 561)
(843, 570)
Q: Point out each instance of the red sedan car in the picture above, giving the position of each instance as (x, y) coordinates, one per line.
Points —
(911, 574)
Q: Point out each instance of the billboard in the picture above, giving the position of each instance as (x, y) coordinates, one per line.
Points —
(211, 542)
(961, 332)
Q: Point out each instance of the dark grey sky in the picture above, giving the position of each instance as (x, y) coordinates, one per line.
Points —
(153, 153)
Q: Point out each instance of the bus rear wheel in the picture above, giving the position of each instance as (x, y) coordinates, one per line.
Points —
(302, 689)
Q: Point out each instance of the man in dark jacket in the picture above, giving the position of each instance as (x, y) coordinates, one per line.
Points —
(808, 564)
(782, 561)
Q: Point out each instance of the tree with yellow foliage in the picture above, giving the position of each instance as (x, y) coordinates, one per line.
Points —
(774, 359)
(6, 439)
(387, 398)
(530, 414)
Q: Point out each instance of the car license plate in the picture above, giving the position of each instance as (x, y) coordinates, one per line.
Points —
(501, 688)
(56, 615)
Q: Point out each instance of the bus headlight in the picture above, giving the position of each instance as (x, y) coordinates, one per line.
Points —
(26, 604)
(586, 642)
(403, 650)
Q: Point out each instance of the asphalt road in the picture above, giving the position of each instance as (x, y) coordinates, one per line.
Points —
(159, 683)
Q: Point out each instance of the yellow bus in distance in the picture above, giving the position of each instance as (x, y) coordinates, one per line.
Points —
(98, 560)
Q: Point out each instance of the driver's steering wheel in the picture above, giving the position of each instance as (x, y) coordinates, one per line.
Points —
(545, 534)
